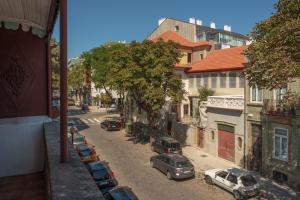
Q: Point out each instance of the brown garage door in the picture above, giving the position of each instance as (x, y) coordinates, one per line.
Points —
(226, 142)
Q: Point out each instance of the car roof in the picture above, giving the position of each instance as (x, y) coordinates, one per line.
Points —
(237, 172)
(169, 139)
(98, 165)
(77, 135)
(83, 147)
(176, 157)
(123, 193)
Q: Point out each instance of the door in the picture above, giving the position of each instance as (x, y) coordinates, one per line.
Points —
(226, 147)
(200, 137)
(221, 178)
(256, 160)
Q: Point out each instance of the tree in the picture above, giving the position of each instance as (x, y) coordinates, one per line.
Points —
(76, 77)
(145, 70)
(274, 55)
(99, 58)
(204, 92)
(55, 65)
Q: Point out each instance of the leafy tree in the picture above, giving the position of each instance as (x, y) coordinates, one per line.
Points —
(274, 55)
(145, 70)
(55, 65)
(204, 92)
(99, 58)
(76, 77)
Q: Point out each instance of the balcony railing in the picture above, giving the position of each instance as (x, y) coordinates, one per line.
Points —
(235, 102)
(275, 107)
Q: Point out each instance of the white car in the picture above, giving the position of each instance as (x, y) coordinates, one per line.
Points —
(236, 181)
(112, 108)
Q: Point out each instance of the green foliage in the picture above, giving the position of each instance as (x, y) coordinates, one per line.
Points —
(274, 56)
(146, 71)
(55, 65)
(204, 92)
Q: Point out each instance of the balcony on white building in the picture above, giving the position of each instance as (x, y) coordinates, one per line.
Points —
(234, 102)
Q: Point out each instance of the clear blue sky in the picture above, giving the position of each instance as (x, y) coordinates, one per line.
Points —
(93, 22)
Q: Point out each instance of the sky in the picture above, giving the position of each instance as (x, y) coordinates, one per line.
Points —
(94, 22)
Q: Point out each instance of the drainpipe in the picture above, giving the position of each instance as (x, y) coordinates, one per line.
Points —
(245, 121)
(63, 81)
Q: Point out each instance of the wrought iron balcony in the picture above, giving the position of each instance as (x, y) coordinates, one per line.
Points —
(235, 102)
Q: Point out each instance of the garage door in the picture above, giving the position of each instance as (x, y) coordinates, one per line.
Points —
(226, 142)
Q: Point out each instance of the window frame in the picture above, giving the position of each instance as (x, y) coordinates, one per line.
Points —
(205, 79)
(256, 93)
(189, 58)
(280, 157)
(212, 77)
(231, 79)
(223, 76)
(191, 81)
(184, 113)
(176, 28)
(198, 80)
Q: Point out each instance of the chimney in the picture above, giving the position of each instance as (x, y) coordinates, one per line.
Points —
(213, 25)
(192, 20)
(227, 28)
(161, 20)
(199, 22)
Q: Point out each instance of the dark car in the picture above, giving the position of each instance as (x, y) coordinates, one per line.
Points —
(175, 166)
(102, 174)
(85, 106)
(166, 145)
(120, 193)
(111, 125)
(87, 153)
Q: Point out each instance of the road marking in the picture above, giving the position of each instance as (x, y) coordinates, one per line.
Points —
(85, 121)
(96, 120)
(90, 120)
(78, 121)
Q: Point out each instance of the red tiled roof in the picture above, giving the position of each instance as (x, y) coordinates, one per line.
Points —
(182, 66)
(171, 35)
(221, 60)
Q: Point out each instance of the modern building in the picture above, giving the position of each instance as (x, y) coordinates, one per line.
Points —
(195, 31)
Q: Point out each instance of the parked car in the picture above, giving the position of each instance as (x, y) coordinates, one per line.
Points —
(71, 102)
(112, 108)
(85, 106)
(236, 181)
(166, 145)
(175, 166)
(102, 174)
(87, 153)
(120, 193)
(110, 125)
(78, 139)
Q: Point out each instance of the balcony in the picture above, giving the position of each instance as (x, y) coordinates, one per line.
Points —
(234, 102)
(275, 107)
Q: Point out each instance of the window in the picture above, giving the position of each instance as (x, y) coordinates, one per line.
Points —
(214, 78)
(191, 82)
(189, 58)
(280, 145)
(201, 56)
(279, 93)
(205, 80)
(198, 82)
(186, 109)
(240, 142)
(212, 135)
(256, 94)
(222, 174)
(223, 80)
(232, 178)
(176, 28)
(241, 81)
(232, 80)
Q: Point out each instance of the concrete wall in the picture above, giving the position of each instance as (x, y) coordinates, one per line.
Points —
(22, 148)
(234, 118)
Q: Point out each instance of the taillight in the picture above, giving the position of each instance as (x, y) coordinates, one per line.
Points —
(85, 142)
(168, 150)
(93, 151)
(111, 175)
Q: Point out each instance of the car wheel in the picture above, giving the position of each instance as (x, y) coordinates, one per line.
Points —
(151, 164)
(169, 176)
(237, 195)
(208, 180)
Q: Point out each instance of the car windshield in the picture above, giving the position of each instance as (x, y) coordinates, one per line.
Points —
(85, 152)
(78, 139)
(248, 180)
(113, 123)
(100, 174)
(183, 164)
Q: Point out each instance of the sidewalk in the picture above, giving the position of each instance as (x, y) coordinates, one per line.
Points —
(203, 161)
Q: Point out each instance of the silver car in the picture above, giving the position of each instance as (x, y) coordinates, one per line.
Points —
(236, 181)
(175, 166)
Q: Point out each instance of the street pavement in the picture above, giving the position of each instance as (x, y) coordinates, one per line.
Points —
(130, 164)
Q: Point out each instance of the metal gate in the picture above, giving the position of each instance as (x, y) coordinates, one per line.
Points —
(226, 147)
